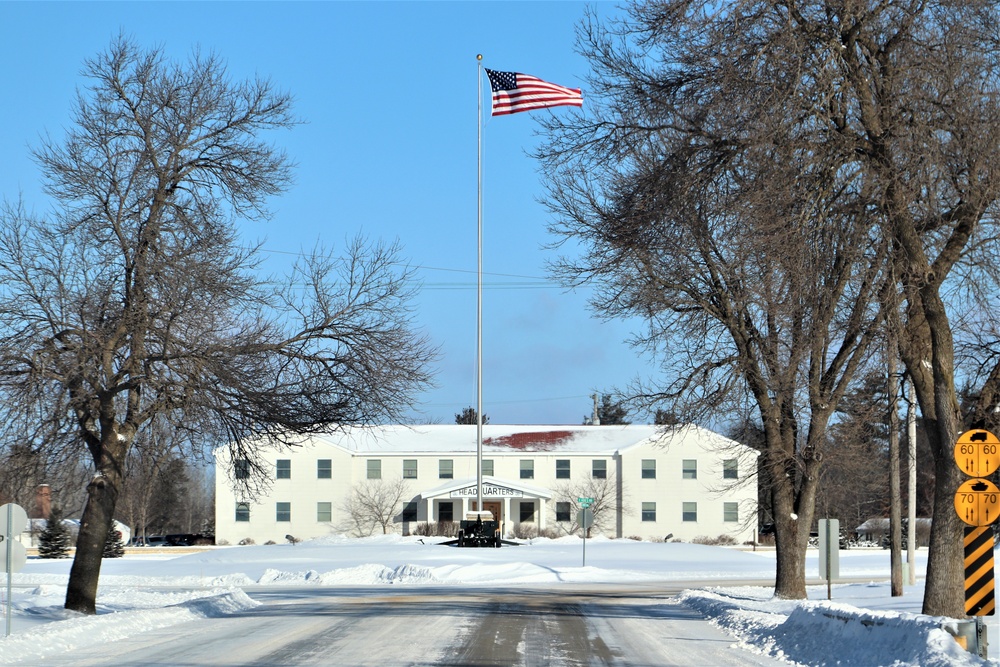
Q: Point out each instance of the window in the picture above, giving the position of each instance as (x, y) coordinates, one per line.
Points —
(446, 512)
(409, 468)
(488, 467)
(649, 468)
(730, 469)
(410, 511)
(324, 469)
(446, 469)
(689, 511)
(374, 468)
(562, 468)
(649, 511)
(242, 511)
(283, 469)
(527, 512)
(562, 511)
(527, 469)
(241, 469)
(324, 512)
(283, 512)
(599, 469)
(730, 512)
(689, 469)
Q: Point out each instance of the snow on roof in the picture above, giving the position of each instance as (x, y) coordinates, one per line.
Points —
(568, 439)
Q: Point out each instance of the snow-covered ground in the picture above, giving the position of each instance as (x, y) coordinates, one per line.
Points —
(862, 625)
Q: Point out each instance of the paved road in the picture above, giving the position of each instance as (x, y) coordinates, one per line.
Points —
(637, 626)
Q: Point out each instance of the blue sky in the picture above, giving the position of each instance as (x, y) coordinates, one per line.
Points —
(388, 93)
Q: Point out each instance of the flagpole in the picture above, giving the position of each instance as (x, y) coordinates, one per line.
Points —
(479, 291)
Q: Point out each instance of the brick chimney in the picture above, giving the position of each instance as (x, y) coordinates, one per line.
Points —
(43, 501)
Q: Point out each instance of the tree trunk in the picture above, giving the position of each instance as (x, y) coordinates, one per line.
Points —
(944, 589)
(791, 537)
(81, 591)
(790, 554)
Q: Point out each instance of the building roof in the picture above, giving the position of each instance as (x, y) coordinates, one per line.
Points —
(499, 439)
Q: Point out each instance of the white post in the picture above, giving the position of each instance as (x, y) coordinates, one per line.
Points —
(911, 466)
(10, 557)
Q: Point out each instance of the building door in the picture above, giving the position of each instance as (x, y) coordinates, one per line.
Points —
(494, 506)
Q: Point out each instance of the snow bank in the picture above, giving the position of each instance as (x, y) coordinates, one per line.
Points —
(75, 631)
(831, 633)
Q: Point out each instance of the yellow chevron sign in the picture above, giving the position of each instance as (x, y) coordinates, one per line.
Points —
(979, 585)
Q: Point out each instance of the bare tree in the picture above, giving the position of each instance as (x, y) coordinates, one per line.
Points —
(374, 503)
(137, 302)
(880, 115)
(911, 91)
(604, 491)
(704, 206)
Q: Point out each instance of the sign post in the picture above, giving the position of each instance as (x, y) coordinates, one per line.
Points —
(977, 503)
(585, 517)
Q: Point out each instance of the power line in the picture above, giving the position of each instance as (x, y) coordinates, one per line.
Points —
(525, 282)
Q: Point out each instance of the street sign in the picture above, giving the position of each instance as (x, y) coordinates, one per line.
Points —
(977, 453)
(13, 555)
(13, 519)
(585, 518)
(589, 501)
(829, 550)
(977, 502)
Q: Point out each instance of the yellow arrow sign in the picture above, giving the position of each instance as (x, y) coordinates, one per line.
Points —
(977, 502)
(977, 453)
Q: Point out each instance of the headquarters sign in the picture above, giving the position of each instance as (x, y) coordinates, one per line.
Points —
(489, 491)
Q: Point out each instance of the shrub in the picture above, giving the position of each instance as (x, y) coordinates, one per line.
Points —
(247, 541)
(717, 541)
(525, 531)
(440, 529)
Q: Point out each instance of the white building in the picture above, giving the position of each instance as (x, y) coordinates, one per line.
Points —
(687, 482)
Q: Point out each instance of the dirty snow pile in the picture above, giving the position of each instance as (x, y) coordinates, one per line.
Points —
(861, 626)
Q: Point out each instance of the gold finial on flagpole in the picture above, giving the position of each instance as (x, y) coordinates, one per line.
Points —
(479, 56)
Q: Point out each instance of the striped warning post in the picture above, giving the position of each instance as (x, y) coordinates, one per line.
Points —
(979, 571)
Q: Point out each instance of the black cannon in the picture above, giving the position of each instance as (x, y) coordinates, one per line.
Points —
(479, 533)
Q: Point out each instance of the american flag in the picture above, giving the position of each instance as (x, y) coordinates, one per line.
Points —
(513, 92)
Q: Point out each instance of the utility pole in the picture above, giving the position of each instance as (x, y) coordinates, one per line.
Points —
(596, 419)
(911, 500)
(895, 500)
